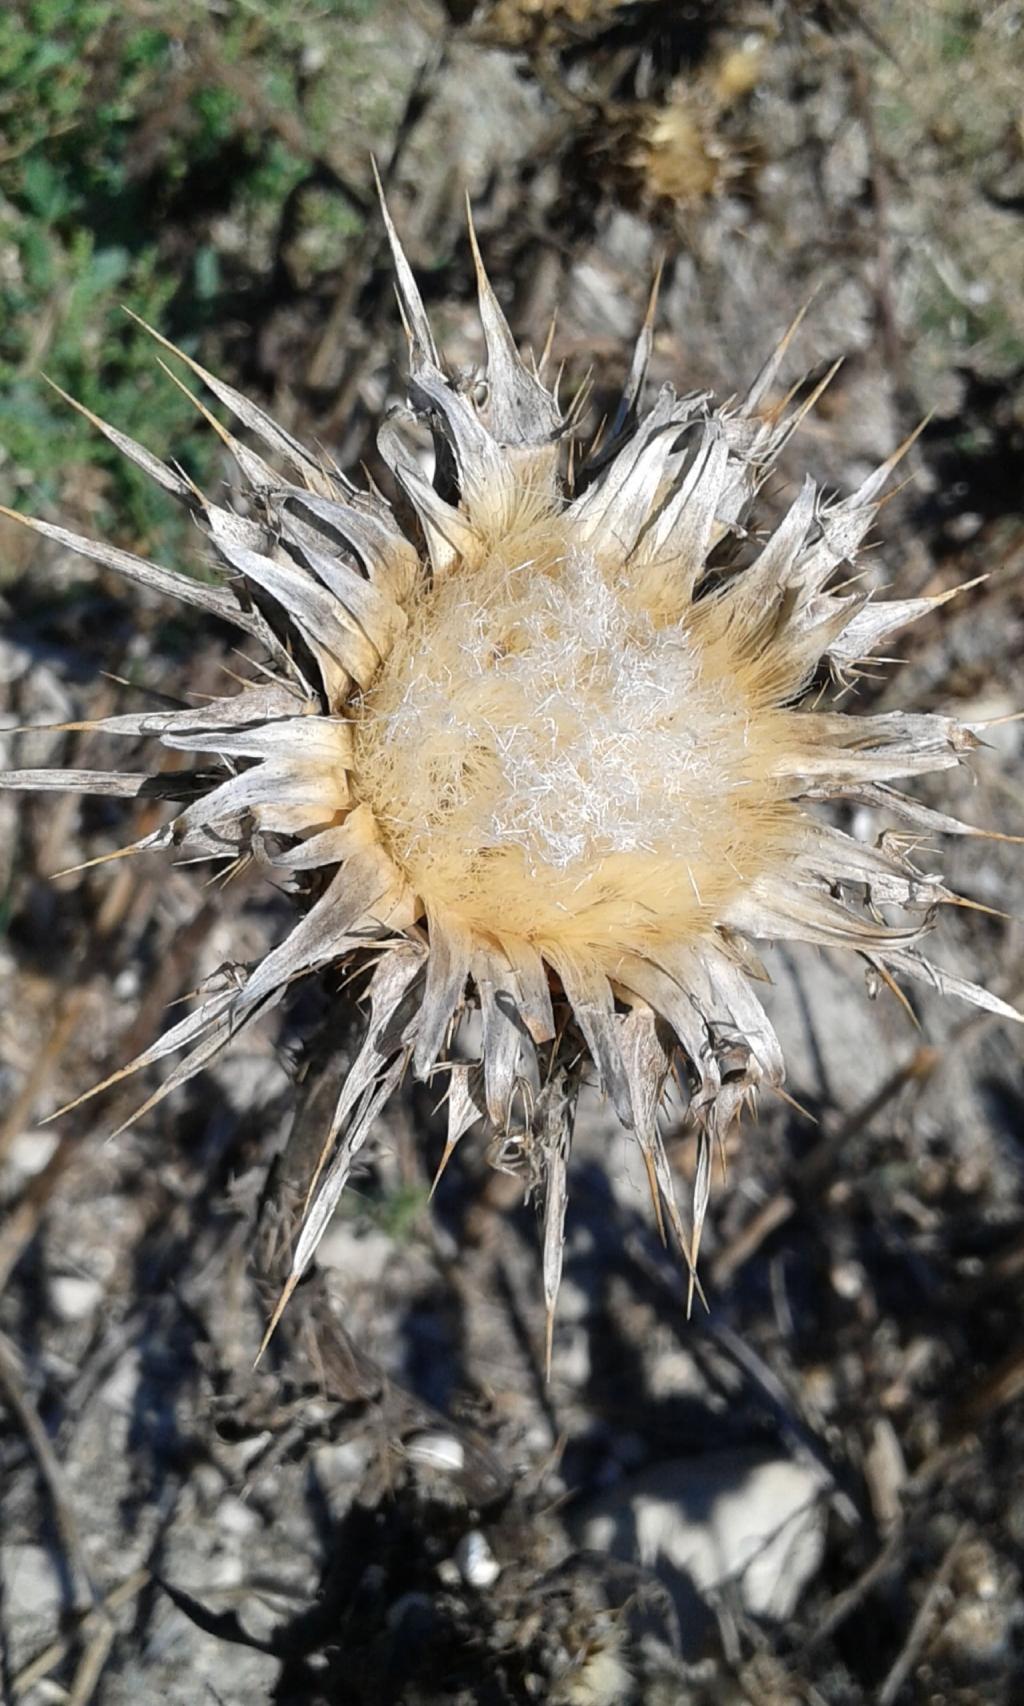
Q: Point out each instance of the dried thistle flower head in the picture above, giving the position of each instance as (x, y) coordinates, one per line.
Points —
(684, 153)
(681, 155)
(551, 753)
(518, 23)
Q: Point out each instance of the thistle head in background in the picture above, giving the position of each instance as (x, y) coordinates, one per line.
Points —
(549, 751)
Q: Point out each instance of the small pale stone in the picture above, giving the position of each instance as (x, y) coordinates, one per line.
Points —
(848, 1280)
(341, 1464)
(478, 1565)
(363, 1253)
(75, 1296)
(127, 983)
(730, 1519)
(235, 1517)
(31, 1580)
(30, 1151)
(436, 1450)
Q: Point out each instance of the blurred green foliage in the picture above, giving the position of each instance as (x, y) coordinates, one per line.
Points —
(397, 1211)
(126, 132)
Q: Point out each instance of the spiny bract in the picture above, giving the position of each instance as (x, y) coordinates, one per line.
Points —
(548, 747)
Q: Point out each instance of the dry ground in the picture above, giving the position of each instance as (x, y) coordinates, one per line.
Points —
(396, 1507)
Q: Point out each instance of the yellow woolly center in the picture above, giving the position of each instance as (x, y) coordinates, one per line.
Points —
(545, 757)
